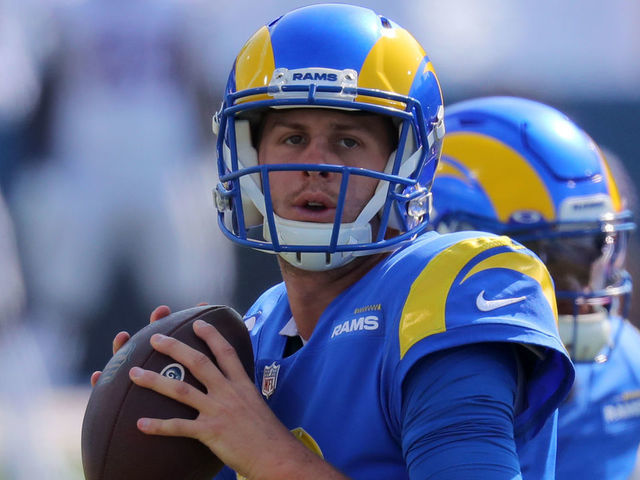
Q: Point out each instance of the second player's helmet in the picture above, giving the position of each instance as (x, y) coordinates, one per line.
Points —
(521, 168)
(329, 56)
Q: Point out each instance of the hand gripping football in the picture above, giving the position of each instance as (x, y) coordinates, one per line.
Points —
(112, 446)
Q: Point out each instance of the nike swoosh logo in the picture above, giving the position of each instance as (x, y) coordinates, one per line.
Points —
(485, 305)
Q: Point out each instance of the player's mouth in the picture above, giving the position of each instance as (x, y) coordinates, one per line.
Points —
(317, 207)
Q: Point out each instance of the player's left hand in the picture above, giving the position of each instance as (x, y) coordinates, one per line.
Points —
(234, 421)
(123, 337)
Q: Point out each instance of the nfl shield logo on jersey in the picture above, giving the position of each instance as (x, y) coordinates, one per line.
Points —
(270, 379)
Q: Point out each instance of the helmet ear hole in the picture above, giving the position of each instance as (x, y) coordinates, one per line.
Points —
(250, 185)
(408, 164)
(247, 154)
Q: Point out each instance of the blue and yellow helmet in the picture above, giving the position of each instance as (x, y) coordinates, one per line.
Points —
(329, 56)
(520, 168)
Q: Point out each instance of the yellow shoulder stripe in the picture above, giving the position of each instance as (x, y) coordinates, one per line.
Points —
(524, 263)
(424, 311)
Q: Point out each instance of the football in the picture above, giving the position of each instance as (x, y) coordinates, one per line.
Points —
(112, 446)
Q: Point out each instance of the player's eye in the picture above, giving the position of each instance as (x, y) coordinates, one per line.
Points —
(348, 142)
(294, 140)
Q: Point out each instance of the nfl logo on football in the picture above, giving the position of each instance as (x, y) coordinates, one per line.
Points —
(270, 379)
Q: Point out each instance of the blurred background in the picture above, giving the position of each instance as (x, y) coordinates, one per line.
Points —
(107, 166)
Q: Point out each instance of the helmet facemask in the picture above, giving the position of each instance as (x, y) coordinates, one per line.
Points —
(347, 58)
(400, 202)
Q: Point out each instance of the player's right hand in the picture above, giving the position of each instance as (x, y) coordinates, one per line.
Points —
(123, 337)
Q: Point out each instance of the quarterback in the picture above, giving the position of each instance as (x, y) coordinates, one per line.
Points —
(384, 353)
(563, 203)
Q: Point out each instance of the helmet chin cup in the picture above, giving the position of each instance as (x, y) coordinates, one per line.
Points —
(290, 232)
(317, 262)
(585, 335)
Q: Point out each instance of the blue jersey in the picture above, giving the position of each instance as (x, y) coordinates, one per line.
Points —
(599, 424)
(341, 394)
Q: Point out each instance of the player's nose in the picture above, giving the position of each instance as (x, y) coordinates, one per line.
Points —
(319, 152)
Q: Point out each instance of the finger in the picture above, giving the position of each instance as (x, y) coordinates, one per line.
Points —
(159, 312)
(198, 363)
(172, 427)
(119, 340)
(169, 387)
(95, 376)
(226, 356)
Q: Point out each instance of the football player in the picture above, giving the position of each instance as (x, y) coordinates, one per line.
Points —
(517, 167)
(374, 358)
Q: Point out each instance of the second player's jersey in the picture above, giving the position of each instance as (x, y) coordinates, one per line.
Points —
(599, 424)
(341, 393)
